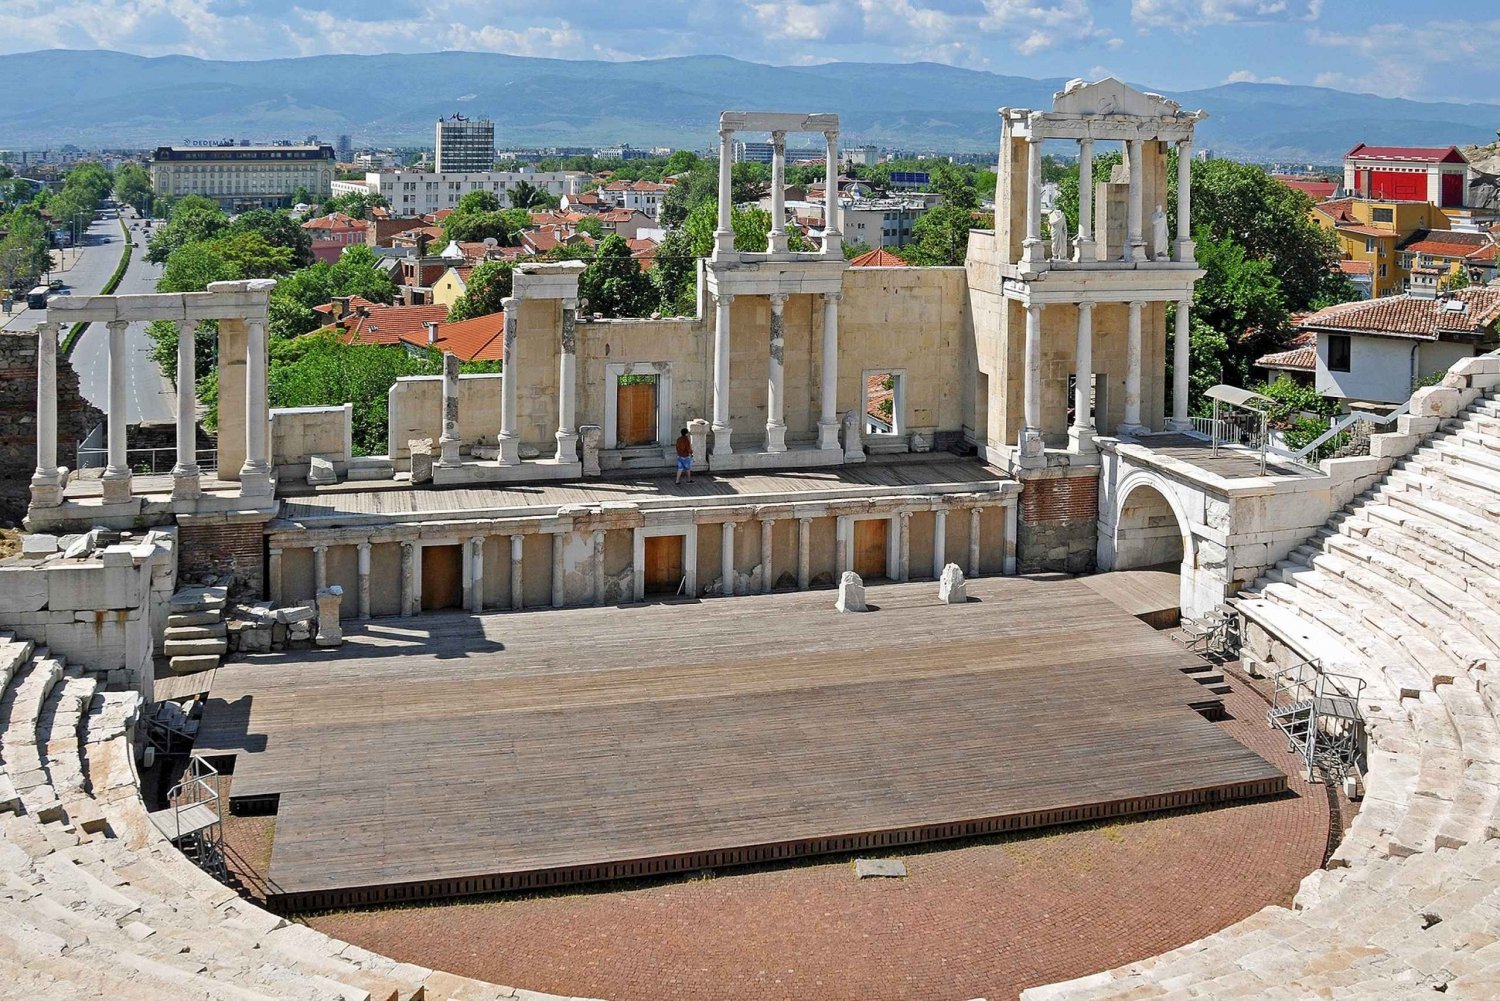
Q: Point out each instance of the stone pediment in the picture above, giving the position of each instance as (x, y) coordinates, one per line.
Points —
(1111, 97)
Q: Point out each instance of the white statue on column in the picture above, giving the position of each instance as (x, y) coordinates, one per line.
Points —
(1058, 223)
(1160, 249)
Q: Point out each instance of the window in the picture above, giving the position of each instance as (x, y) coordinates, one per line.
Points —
(1371, 247)
(1382, 270)
(1338, 352)
(1383, 215)
(884, 400)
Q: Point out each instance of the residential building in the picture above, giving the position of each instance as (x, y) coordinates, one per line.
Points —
(878, 258)
(1298, 361)
(241, 178)
(1443, 253)
(1371, 230)
(356, 320)
(1316, 188)
(333, 232)
(1361, 275)
(1371, 354)
(463, 145)
(411, 192)
(345, 148)
(1408, 174)
(764, 152)
(625, 222)
(638, 196)
(453, 284)
(881, 222)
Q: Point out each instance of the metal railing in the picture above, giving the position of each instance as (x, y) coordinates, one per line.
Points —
(1340, 434)
(199, 787)
(147, 460)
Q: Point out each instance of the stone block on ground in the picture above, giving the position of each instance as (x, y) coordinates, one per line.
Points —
(421, 460)
(330, 632)
(851, 593)
(886, 868)
(192, 665)
(38, 545)
(320, 472)
(207, 631)
(195, 648)
(951, 588)
(200, 599)
(182, 620)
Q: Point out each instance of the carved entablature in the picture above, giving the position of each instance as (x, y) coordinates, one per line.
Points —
(1105, 109)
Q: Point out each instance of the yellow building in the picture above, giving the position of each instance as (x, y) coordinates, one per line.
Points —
(1372, 231)
(451, 285)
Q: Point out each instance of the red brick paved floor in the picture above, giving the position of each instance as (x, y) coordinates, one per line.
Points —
(985, 918)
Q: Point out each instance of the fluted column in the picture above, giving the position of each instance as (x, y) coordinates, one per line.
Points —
(186, 479)
(804, 553)
(776, 241)
(1181, 366)
(721, 428)
(1085, 249)
(363, 565)
(510, 439)
(726, 558)
(833, 234)
(1031, 247)
(828, 415)
(1185, 247)
(1081, 434)
(116, 475)
(1135, 243)
(776, 382)
(47, 480)
(1132, 424)
(567, 390)
(449, 440)
(724, 235)
(255, 474)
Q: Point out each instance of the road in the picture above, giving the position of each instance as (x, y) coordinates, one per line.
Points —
(148, 395)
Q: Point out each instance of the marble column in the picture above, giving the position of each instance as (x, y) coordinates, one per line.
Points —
(117, 477)
(1132, 424)
(517, 594)
(1181, 366)
(828, 414)
(567, 389)
(776, 382)
(721, 429)
(186, 478)
(255, 474)
(1085, 249)
(804, 553)
(1008, 563)
(776, 242)
(559, 574)
(843, 528)
(476, 574)
(767, 542)
(449, 440)
(833, 234)
(939, 542)
(273, 575)
(724, 234)
(1081, 434)
(1032, 248)
(726, 558)
(598, 567)
(47, 480)
(510, 439)
(903, 562)
(363, 551)
(1135, 242)
(1185, 247)
(409, 598)
(1032, 389)
(320, 567)
(973, 570)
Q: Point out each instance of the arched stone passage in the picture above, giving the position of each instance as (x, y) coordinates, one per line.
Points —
(1151, 530)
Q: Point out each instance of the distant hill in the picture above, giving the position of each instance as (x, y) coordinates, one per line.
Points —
(110, 98)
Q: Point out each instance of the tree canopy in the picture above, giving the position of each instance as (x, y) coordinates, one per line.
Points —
(279, 230)
(614, 284)
(487, 287)
(192, 219)
(133, 186)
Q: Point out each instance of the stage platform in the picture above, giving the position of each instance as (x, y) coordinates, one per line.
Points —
(455, 754)
(1151, 594)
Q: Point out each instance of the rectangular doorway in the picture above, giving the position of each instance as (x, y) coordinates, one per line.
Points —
(871, 557)
(442, 577)
(664, 561)
(635, 411)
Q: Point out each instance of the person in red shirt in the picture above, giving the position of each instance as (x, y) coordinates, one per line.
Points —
(684, 456)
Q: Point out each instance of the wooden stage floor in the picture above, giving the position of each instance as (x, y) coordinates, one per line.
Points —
(457, 754)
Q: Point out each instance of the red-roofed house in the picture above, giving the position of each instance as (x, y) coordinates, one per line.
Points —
(1317, 190)
(878, 258)
(1298, 361)
(332, 233)
(1439, 175)
(1444, 252)
(641, 196)
(625, 222)
(357, 320)
(481, 338)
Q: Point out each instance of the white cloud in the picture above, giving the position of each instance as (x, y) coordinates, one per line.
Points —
(1399, 55)
(1190, 15)
(1246, 76)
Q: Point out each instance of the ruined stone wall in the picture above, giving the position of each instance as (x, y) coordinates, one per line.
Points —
(75, 418)
(224, 546)
(1058, 523)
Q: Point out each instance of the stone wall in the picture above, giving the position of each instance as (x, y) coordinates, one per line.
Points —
(1057, 526)
(415, 410)
(299, 433)
(224, 545)
(75, 418)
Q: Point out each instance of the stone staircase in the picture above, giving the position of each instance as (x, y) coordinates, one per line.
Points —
(96, 903)
(1402, 590)
(196, 636)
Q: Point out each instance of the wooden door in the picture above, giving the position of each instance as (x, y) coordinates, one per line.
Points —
(635, 413)
(442, 577)
(870, 548)
(664, 570)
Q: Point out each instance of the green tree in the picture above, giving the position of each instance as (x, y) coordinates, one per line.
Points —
(476, 202)
(526, 195)
(591, 226)
(1241, 297)
(133, 186)
(941, 236)
(1455, 280)
(355, 204)
(488, 285)
(302, 196)
(193, 220)
(955, 187)
(473, 227)
(24, 251)
(279, 230)
(356, 272)
(674, 273)
(614, 284)
(752, 229)
(855, 249)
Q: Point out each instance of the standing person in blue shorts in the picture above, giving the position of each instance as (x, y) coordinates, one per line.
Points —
(684, 456)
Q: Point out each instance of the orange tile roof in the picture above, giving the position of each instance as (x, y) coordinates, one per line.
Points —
(480, 338)
(1356, 267)
(372, 323)
(1316, 190)
(336, 222)
(1359, 230)
(1449, 243)
(878, 258)
(1300, 355)
(1416, 317)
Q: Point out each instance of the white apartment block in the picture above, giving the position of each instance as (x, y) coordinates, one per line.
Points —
(881, 222)
(412, 193)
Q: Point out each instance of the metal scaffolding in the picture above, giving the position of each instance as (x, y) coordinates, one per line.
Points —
(1319, 713)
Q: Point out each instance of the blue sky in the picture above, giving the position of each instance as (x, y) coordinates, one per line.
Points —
(1374, 46)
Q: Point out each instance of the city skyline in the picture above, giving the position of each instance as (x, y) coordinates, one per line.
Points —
(1174, 44)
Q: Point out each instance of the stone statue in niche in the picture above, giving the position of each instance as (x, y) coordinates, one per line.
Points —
(1160, 251)
(1058, 223)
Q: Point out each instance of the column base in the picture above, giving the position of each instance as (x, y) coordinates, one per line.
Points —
(255, 481)
(776, 244)
(1085, 251)
(1179, 424)
(47, 488)
(1081, 441)
(775, 437)
(449, 458)
(833, 245)
(828, 434)
(1033, 252)
(1131, 430)
(722, 436)
(1137, 251)
(567, 448)
(1186, 249)
(510, 450)
(117, 487)
(723, 243)
(187, 483)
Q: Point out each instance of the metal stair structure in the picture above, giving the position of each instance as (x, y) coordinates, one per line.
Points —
(193, 820)
(1319, 713)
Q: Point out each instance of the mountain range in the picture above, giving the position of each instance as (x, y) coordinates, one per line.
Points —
(100, 98)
